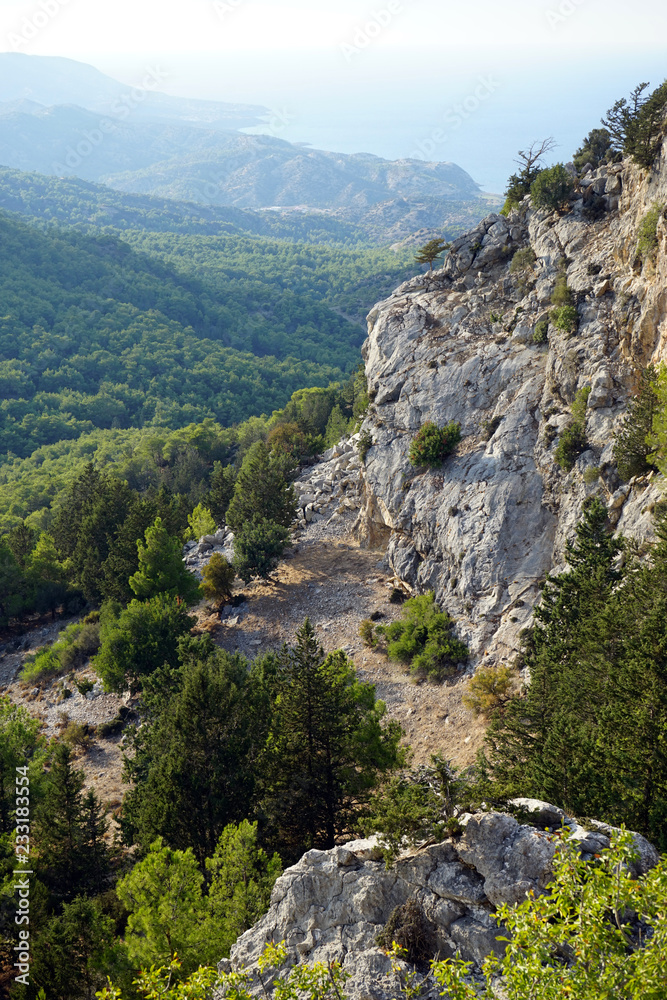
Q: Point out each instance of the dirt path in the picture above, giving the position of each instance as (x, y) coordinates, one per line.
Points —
(337, 585)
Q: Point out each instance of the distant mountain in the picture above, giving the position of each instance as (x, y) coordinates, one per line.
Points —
(95, 129)
(49, 80)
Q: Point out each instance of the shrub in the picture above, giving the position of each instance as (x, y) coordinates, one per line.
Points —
(594, 149)
(364, 446)
(489, 689)
(565, 318)
(491, 426)
(367, 633)
(540, 335)
(218, 578)
(258, 548)
(433, 444)
(592, 474)
(79, 735)
(77, 643)
(522, 268)
(647, 241)
(423, 640)
(552, 188)
(409, 928)
(573, 439)
(200, 522)
(561, 295)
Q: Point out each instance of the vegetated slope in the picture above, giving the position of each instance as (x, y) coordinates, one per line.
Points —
(49, 80)
(71, 201)
(96, 334)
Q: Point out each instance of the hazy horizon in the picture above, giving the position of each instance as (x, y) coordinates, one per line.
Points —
(400, 78)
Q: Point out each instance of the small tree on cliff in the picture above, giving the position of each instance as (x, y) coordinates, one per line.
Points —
(431, 251)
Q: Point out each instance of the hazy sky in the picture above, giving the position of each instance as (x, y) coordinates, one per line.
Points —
(464, 81)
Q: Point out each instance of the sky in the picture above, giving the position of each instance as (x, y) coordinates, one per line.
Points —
(470, 82)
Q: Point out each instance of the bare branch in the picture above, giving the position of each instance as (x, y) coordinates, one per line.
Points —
(528, 159)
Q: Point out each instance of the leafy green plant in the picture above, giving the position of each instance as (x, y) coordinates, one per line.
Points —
(200, 522)
(489, 690)
(430, 252)
(519, 185)
(581, 938)
(552, 188)
(423, 640)
(432, 444)
(76, 644)
(258, 548)
(573, 439)
(522, 268)
(565, 318)
(367, 633)
(218, 578)
(540, 334)
(561, 295)
(647, 235)
(594, 149)
(592, 474)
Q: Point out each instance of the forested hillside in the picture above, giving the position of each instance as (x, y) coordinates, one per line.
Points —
(98, 334)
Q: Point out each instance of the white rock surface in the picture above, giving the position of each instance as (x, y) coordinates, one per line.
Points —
(484, 530)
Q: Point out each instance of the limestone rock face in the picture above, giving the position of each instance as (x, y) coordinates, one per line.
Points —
(332, 904)
(484, 529)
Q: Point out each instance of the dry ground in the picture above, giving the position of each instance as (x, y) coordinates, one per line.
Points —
(328, 579)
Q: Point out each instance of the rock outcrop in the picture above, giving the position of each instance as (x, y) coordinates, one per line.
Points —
(484, 530)
(332, 904)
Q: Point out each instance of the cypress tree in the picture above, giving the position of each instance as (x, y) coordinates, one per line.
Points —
(262, 492)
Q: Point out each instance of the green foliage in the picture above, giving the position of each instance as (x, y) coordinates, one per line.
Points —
(221, 491)
(565, 318)
(412, 808)
(522, 268)
(594, 149)
(364, 445)
(20, 746)
(193, 768)
(326, 748)
(588, 732)
(218, 578)
(167, 913)
(201, 522)
(71, 953)
(77, 643)
(636, 126)
(647, 235)
(579, 939)
(258, 548)
(573, 439)
(242, 877)
(139, 639)
(367, 633)
(489, 690)
(633, 441)
(74, 858)
(423, 640)
(432, 444)
(540, 335)
(262, 492)
(430, 252)
(519, 185)
(161, 568)
(552, 188)
(561, 295)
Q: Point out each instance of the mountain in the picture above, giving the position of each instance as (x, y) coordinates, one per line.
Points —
(63, 118)
(49, 80)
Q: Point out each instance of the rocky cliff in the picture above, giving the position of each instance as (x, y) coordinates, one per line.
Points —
(457, 344)
(332, 904)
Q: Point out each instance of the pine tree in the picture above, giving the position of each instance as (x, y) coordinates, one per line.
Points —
(221, 491)
(161, 567)
(430, 252)
(632, 447)
(262, 492)
(69, 954)
(258, 548)
(544, 743)
(326, 748)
